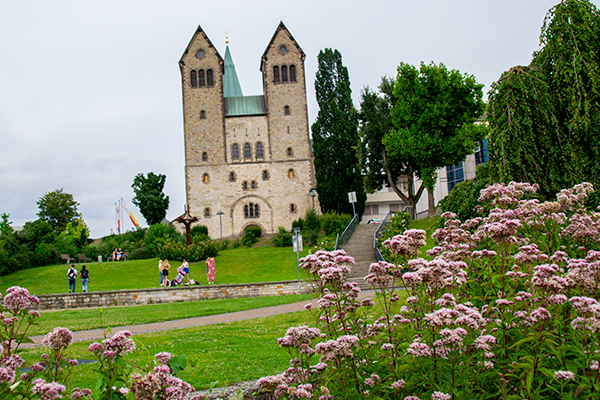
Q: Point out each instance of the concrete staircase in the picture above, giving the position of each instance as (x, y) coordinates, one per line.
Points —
(360, 247)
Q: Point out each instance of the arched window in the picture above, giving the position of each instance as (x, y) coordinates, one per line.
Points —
(290, 152)
(201, 81)
(275, 74)
(232, 176)
(207, 212)
(193, 79)
(265, 175)
(259, 150)
(284, 75)
(209, 78)
(291, 173)
(286, 110)
(292, 208)
(247, 151)
(292, 73)
(235, 152)
(254, 185)
(205, 178)
(204, 156)
(244, 185)
(251, 211)
(202, 114)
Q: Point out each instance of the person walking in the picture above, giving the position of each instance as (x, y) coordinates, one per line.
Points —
(72, 274)
(85, 279)
(210, 270)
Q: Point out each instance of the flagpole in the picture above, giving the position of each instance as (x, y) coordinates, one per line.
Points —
(116, 227)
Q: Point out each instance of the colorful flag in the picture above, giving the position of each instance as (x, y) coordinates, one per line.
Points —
(131, 217)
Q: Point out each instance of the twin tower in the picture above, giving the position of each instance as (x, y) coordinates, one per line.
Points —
(248, 159)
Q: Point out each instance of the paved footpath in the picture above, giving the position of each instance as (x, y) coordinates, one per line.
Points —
(96, 334)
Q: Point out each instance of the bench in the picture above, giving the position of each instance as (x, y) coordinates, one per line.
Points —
(66, 258)
(123, 257)
(83, 258)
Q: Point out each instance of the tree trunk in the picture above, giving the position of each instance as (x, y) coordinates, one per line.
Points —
(431, 203)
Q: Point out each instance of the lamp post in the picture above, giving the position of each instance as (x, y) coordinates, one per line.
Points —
(219, 213)
(313, 194)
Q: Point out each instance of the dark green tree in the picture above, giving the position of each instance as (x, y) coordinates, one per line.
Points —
(545, 118)
(149, 197)
(335, 138)
(434, 117)
(375, 121)
(58, 209)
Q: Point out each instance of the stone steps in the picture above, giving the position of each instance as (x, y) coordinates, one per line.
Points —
(360, 247)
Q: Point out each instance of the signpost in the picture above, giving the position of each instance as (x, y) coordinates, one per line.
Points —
(297, 242)
(352, 199)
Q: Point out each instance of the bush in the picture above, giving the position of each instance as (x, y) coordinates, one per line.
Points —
(162, 234)
(199, 230)
(194, 252)
(255, 230)
(299, 223)
(333, 222)
(311, 221)
(141, 253)
(283, 238)
(463, 200)
(248, 238)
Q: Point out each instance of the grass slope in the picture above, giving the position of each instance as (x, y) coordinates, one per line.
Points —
(242, 265)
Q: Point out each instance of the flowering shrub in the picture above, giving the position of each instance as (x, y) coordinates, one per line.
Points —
(506, 307)
(46, 379)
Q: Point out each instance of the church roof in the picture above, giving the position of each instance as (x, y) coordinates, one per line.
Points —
(231, 84)
(245, 105)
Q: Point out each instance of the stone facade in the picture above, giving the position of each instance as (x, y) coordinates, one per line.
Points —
(270, 185)
(169, 295)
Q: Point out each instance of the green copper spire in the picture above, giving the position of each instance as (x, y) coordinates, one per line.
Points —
(231, 84)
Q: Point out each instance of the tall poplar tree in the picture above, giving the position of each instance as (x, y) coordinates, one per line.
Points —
(149, 196)
(335, 138)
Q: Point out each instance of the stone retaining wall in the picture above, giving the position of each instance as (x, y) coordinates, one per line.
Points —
(169, 294)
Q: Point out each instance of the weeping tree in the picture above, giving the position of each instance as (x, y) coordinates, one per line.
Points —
(545, 118)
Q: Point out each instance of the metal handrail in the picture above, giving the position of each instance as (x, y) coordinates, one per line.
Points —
(378, 232)
(347, 232)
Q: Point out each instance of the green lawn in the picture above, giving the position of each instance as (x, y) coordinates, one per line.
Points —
(95, 318)
(223, 353)
(242, 265)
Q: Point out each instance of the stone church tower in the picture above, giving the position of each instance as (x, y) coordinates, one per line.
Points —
(246, 156)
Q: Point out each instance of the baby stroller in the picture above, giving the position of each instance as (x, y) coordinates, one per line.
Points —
(179, 278)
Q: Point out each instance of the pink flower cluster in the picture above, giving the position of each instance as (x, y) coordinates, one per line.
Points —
(18, 298)
(59, 338)
(47, 391)
(297, 336)
(407, 244)
(335, 349)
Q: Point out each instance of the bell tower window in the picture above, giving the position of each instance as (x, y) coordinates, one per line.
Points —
(193, 79)
(209, 78)
(201, 81)
(292, 73)
(276, 74)
(284, 74)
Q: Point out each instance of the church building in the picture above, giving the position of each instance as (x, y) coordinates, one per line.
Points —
(248, 159)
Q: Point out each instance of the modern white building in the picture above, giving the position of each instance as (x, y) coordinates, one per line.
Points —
(386, 200)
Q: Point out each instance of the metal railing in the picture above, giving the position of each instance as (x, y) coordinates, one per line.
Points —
(341, 240)
(377, 233)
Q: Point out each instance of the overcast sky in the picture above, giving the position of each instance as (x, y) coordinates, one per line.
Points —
(90, 91)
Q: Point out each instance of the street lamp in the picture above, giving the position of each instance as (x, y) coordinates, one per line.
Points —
(219, 213)
(313, 194)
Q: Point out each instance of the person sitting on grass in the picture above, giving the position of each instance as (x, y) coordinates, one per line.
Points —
(186, 270)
